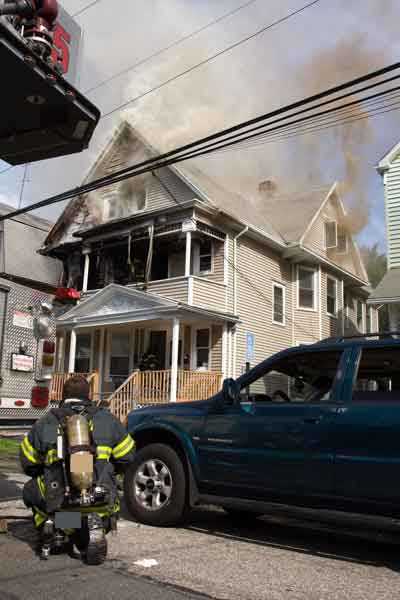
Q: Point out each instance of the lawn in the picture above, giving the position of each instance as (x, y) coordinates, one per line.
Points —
(9, 447)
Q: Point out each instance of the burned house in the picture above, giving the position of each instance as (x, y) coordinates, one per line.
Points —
(186, 280)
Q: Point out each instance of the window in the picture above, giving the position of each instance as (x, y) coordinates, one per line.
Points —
(341, 241)
(330, 234)
(203, 349)
(120, 350)
(331, 296)
(360, 320)
(306, 287)
(307, 377)
(205, 256)
(369, 328)
(378, 377)
(278, 311)
(83, 352)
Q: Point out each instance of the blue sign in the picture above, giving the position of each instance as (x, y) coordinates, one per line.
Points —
(250, 343)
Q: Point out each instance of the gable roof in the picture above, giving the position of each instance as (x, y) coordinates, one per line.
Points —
(281, 218)
(388, 159)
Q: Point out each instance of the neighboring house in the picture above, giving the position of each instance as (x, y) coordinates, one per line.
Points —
(173, 265)
(26, 280)
(388, 291)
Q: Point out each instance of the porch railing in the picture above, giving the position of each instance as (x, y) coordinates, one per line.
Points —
(58, 380)
(153, 387)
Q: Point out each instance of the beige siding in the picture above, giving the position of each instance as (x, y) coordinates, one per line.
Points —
(176, 289)
(392, 198)
(331, 326)
(259, 267)
(218, 262)
(216, 348)
(351, 327)
(166, 190)
(209, 294)
(230, 272)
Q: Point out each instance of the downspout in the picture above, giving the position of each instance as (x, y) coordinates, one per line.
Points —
(235, 239)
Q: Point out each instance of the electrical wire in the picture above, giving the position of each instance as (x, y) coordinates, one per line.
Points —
(198, 148)
(211, 58)
(85, 8)
(169, 47)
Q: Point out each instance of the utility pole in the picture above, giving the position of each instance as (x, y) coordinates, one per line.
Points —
(24, 180)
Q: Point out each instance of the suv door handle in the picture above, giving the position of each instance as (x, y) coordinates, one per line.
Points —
(312, 420)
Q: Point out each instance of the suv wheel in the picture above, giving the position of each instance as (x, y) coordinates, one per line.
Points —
(155, 486)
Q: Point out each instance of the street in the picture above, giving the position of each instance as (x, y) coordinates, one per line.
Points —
(261, 560)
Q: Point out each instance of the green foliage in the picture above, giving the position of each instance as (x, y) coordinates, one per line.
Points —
(375, 263)
(9, 447)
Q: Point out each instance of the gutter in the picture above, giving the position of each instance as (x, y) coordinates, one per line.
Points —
(235, 239)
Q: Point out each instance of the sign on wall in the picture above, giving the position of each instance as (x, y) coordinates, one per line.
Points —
(22, 362)
(22, 319)
(250, 344)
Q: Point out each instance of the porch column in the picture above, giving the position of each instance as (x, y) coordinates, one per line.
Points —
(188, 254)
(174, 359)
(72, 352)
(86, 253)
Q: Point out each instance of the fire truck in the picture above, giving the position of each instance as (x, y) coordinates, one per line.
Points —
(43, 115)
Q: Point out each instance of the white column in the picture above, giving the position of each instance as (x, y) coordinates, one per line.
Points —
(174, 359)
(101, 359)
(86, 268)
(188, 255)
(72, 352)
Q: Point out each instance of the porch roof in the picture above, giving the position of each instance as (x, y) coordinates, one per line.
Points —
(117, 305)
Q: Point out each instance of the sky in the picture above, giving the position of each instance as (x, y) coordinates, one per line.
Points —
(329, 43)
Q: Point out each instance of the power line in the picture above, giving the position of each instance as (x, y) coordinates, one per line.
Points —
(85, 8)
(7, 169)
(211, 58)
(170, 46)
(197, 148)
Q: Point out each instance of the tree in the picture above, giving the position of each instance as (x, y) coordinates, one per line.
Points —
(376, 266)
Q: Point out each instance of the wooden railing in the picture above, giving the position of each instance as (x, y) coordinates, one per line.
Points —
(58, 380)
(153, 387)
(197, 385)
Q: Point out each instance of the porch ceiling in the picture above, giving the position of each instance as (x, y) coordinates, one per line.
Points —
(117, 305)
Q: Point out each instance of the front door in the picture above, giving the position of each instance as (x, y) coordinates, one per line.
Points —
(279, 438)
(158, 347)
(367, 464)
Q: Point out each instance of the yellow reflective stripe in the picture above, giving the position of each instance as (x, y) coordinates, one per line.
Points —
(39, 517)
(91, 426)
(104, 452)
(123, 447)
(51, 457)
(41, 485)
(29, 451)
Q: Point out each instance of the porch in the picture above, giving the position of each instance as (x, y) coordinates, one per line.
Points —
(144, 349)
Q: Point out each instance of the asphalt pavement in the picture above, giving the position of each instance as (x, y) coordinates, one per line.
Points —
(210, 557)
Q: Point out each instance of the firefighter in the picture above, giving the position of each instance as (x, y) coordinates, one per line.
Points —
(44, 493)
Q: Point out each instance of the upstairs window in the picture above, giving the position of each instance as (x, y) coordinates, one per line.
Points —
(331, 296)
(306, 288)
(278, 292)
(331, 234)
(342, 240)
(203, 256)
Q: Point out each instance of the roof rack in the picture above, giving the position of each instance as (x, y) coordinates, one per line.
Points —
(345, 338)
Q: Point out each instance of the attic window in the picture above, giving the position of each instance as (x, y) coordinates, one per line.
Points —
(341, 240)
(331, 234)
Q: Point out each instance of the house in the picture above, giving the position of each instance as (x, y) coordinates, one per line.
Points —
(27, 280)
(388, 291)
(173, 265)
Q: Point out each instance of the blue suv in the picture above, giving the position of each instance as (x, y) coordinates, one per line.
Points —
(313, 430)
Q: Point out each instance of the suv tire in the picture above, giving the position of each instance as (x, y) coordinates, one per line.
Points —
(155, 486)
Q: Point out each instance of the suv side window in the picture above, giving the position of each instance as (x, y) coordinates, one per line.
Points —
(307, 377)
(378, 376)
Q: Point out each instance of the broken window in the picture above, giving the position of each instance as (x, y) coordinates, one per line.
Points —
(341, 240)
(360, 319)
(306, 288)
(83, 352)
(331, 296)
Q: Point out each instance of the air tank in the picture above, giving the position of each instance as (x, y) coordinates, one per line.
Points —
(81, 461)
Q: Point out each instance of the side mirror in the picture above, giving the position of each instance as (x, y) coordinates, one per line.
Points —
(230, 391)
